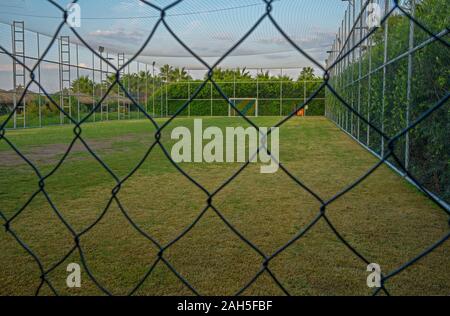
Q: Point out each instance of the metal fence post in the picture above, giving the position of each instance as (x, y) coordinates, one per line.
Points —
(153, 87)
(146, 87)
(138, 86)
(409, 81)
(78, 81)
(281, 92)
(93, 85)
(161, 92)
(304, 92)
(352, 3)
(100, 85)
(257, 89)
(383, 95)
(369, 88)
(39, 80)
(61, 98)
(129, 88)
(189, 95)
(342, 63)
(347, 63)
(167, 92)
(359, 68)
(107, 71)
(341, 79)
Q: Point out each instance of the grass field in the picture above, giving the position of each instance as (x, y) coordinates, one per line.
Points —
(384, 217)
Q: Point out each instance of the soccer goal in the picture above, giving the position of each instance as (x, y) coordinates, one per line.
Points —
(247, 106)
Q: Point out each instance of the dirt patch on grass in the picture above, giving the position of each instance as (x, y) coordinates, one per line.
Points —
(51, 153)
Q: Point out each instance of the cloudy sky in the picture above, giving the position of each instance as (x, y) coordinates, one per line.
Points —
(208, 27)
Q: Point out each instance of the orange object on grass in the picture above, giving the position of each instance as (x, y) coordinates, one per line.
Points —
(301, 112)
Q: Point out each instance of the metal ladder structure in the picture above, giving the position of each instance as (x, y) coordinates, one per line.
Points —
(18, 43)
(64, 78)
(123, 109)
(104, 107)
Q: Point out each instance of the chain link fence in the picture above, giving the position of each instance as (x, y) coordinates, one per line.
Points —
(341, 108)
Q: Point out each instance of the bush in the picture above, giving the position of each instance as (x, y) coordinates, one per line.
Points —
(429, 142)
(173, 96)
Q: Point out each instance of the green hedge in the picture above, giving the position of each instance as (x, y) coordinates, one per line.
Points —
(209, 101)
(430, 140)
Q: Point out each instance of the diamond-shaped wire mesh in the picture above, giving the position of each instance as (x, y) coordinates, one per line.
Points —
(266, 258)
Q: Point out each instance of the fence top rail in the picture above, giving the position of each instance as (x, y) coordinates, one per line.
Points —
(254, 81)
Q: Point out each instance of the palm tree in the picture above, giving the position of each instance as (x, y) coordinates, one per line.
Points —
(284, 78)
(242, 73)
(307, 73)
(263, 75)
(222, 74)
(166, 72)
(82, 85)
(183, 74)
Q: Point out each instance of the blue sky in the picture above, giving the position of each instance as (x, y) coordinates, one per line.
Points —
(209, 27)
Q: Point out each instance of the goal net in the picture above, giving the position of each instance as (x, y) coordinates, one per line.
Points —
(247, 106)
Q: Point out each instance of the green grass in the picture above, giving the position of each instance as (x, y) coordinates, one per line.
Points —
(385, 218)
(54, 118)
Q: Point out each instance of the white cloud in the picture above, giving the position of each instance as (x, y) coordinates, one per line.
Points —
(117, 35)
